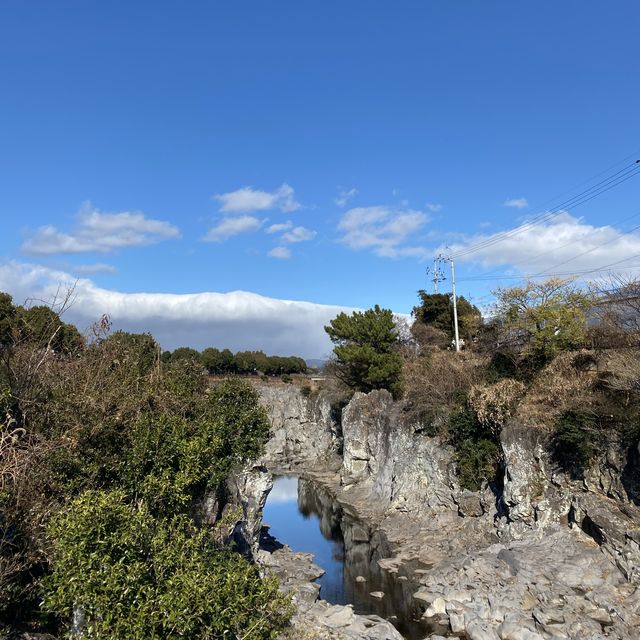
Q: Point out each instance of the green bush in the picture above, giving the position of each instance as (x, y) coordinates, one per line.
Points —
(477, 462)
(305, 390)
(133, 576)
(575, 440)
(477, 449)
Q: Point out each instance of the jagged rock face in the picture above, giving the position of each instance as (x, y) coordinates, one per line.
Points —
(531, 495)
(303, 428)
(249, 489)
(406, 470)
(538, 496)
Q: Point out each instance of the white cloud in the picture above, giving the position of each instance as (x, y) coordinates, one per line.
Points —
(228, 227)
(518, 203)
(433, 207)
(100, 232)
(89, 269)
(552, 246)
(344, 196)
(249, 200)
(279, 227)
(298, 234)
(383, 230)
(280, 252)
(238, 320)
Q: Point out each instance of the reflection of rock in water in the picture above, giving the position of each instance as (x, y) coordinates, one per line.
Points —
(361, 549)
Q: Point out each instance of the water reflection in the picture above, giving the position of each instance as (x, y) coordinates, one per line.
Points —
(304, 516)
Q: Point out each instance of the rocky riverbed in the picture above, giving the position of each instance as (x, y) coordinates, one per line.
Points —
(544, 557)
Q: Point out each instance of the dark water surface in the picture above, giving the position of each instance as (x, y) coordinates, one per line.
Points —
(305, 516)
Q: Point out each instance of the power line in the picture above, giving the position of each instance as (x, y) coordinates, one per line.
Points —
(584, 253)
(545, 273)
(563, 274)
(617, 178)
(566, 244)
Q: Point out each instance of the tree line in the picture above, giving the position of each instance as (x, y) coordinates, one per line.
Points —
(221, 362)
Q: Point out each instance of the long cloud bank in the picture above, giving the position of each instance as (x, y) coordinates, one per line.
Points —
(238, 320)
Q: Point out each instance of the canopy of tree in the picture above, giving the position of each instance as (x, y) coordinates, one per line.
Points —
(436, 310)
(542, 318)
(367, 350)
(39, 325)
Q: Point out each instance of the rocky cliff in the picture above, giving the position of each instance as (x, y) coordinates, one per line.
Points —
(538, 497)
(305, 430)
(548, 556)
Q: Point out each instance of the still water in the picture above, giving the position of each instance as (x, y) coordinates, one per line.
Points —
(304, 516)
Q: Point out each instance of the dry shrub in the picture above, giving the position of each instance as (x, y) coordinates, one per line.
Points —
(558, 387)
(620, 371)
(495, 404)
(428, 337)
(436, 382)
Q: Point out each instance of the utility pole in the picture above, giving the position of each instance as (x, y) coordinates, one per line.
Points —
(455, 305)
(436, 272)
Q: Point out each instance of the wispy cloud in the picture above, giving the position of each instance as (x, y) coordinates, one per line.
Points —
(293, 235)
(239, 320)
(344, 196)
(249, 200)
(298, 234)
(282, 253)
(433, 207)
(280, 227)
(100, 232)
(517, 203)
(564, 244)
(383, 230)
(229, 227)
(90, 269)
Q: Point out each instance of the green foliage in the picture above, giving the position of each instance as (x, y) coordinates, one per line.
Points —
(477, 462)
(576, 439)
(132, 576)
(544, 317)
(138, 439)
(186, 353)
(436, 310)
(366, 350)
(135, 353)
(242, 422)
(8, 313)
(243, 362)
(477, 449)
(43, 327)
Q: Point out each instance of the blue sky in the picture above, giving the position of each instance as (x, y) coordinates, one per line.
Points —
(343, 143)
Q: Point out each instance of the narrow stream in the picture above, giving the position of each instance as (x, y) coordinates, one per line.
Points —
(304, 516)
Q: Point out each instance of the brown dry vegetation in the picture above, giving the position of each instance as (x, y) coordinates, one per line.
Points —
(563, 383)
(494, 404)
(437, 381)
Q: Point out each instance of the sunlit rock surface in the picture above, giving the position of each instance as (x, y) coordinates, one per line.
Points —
(545, 556)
